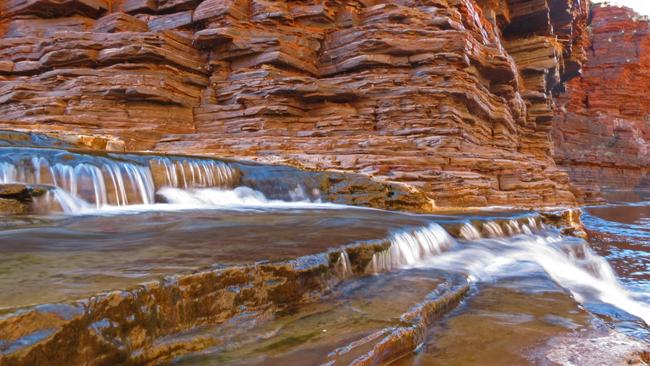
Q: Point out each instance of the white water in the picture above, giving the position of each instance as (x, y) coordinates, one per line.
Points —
(87, 184)
(469, 232)
(190, 173)
(238, 199)
(87, 181)
(567, 261)
(344, 265)
(410, 247)
(100, 184)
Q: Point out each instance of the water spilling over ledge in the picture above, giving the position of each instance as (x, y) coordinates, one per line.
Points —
(83, 181)
(80, 181)
(151, 322)
(171, 258)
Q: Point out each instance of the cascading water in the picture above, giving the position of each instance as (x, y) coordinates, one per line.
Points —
(567, 261)
(94, 182)
(84, 181)
(344, 265)
(493, 229)
(190, 173)
(469, 232)
(410, 247)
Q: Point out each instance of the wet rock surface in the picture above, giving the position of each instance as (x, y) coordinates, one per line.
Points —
(19, 198)
(129, 327)
(601, 130)
(185, 311)
(452, 98)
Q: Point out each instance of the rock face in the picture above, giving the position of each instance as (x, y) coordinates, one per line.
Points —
(602, 128)
(452, 97)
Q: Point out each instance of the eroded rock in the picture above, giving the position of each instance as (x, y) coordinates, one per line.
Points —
(450, 98)
(19, 198)
(601, 131)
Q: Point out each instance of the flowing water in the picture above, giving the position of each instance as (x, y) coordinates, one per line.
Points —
(112, 221)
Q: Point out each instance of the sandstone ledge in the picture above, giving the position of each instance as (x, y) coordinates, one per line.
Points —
(145, 324)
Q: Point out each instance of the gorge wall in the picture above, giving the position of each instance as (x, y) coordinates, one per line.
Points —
(602, 128)
(451, 97)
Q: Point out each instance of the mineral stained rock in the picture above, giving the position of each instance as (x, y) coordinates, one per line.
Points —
(602, 129)
(451, 97)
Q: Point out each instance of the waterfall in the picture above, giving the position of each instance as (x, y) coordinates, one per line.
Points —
(410, 247)
(99, 183)
(493, 229)
(469, 232)
(344, 265)
(569, 262)
(84, 181)
(192, 173)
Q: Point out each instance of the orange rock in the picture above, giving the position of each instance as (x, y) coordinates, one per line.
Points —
(453, 98)
(601, 132)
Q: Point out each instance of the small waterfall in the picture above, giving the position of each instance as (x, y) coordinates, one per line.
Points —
(344, 265)
(532, 223)
(84, 181)
(410, 247)
(513, 227)
(380, 262)
(99, 183)
(493, 229)
(65, 201)
(567, 261)
(469, 232)
(192, 173)
(583, 256)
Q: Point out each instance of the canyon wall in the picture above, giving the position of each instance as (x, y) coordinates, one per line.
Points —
(450, 97)
(602, 128)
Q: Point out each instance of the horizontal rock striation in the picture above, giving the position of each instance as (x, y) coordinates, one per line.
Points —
(602, 128)
(452, 97)
(158, 321)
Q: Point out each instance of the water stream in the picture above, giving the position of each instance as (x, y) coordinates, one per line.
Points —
(112, 221)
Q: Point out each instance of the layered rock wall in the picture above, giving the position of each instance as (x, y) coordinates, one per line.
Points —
(602, 128)
(452, 97)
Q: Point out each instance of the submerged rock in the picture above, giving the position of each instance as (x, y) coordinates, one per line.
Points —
(609, 349)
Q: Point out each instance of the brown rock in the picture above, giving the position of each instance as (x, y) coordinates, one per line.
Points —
(17, 198)
(451, 99)
(11, 207)
(53, 8)
(601, 132)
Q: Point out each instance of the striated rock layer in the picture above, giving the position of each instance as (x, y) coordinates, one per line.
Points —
(602, 128)
(452, 97)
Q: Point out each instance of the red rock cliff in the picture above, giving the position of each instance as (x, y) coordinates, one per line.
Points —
(602, 131)
(452, 97)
